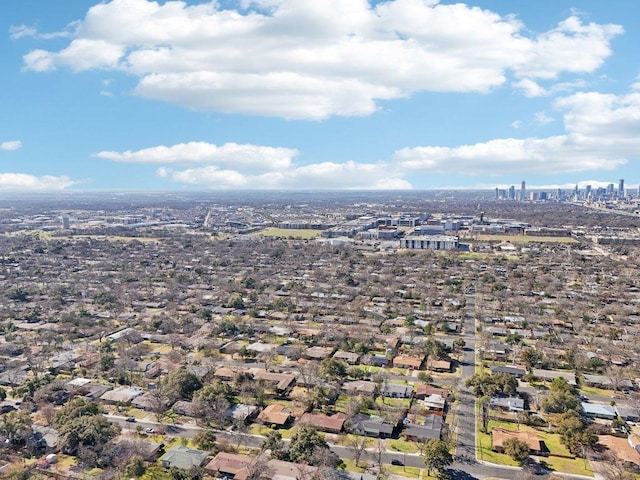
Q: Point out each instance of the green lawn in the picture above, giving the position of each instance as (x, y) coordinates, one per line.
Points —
(551, 440)
(403, 446)
(596, 391)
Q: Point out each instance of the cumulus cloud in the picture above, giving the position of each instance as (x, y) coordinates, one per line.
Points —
(319, 176)
(601, 134)
(304, 59)
(11, 145)
(23, 181)
(241, 157)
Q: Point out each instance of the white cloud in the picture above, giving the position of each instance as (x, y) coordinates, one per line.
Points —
(319, 176)
(555, 51)
(23, 181)
(11, 145)
(17, 32)
(530, 88)
(241, 157)
(601, 134)
(516, 124)
(20, 31)
(542, 118)
(304, 59)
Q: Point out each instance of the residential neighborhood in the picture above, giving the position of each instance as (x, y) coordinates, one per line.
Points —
(252, 341)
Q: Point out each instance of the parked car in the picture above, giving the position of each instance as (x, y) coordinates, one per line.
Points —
(130, 419)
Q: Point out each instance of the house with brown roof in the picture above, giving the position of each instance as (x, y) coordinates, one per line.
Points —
(443, 365)
(360, 387)
(324, 423)
(350, 357)
(424, 390)
(276, 414)
(406, 361)
(500, 435)
(230, 465)
(283, 381)
(239, 467)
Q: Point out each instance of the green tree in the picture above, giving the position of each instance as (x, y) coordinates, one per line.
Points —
(205, 439)
(516, 449)
(305, 445)
(530, 357)
(3, 394)
(332, 369)
(436, 455)
(574, 433)
(16, 427)
(273, 442)
(560, 402)
(182, 383)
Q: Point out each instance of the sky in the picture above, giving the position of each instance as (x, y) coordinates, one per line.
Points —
(318, 94)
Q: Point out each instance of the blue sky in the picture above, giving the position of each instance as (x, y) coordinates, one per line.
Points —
(308, 94)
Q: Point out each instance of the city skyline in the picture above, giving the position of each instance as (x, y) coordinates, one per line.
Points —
(303, 95)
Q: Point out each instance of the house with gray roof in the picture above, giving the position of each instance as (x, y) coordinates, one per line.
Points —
(183, 458)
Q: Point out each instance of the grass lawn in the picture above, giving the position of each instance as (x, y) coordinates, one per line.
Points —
(596, 391)
(350, 466)
(257, 429)
(551, 440)
(403, 446)
(394, 402)
(347, 440)
(289, 233)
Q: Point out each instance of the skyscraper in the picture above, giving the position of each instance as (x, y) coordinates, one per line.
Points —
(621, 188)
(512, 192)
(523, 191)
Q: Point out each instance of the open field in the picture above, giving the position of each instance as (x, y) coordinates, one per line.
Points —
(289, 233)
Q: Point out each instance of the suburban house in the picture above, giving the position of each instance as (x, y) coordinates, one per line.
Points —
(324, 423)
(276, 414)
(406, 361)
(183, 458)
(371, 426)
(499, 435)
(508, 404)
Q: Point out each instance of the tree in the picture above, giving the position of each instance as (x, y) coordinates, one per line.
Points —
(273, 442)
(205, 439)
(357, 444)
(516, 449)
(82, 426)
(304, 444)
(16, 426)
(436, 455)
(530, 357)
(332, 369)
(560, 402)
(182, 383)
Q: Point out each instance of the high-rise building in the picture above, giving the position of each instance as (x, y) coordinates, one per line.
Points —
(512, 192)
(610, 188)
(523, 191)
(66, 223)
(621, 188)
(497, 193)
(587, 191)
